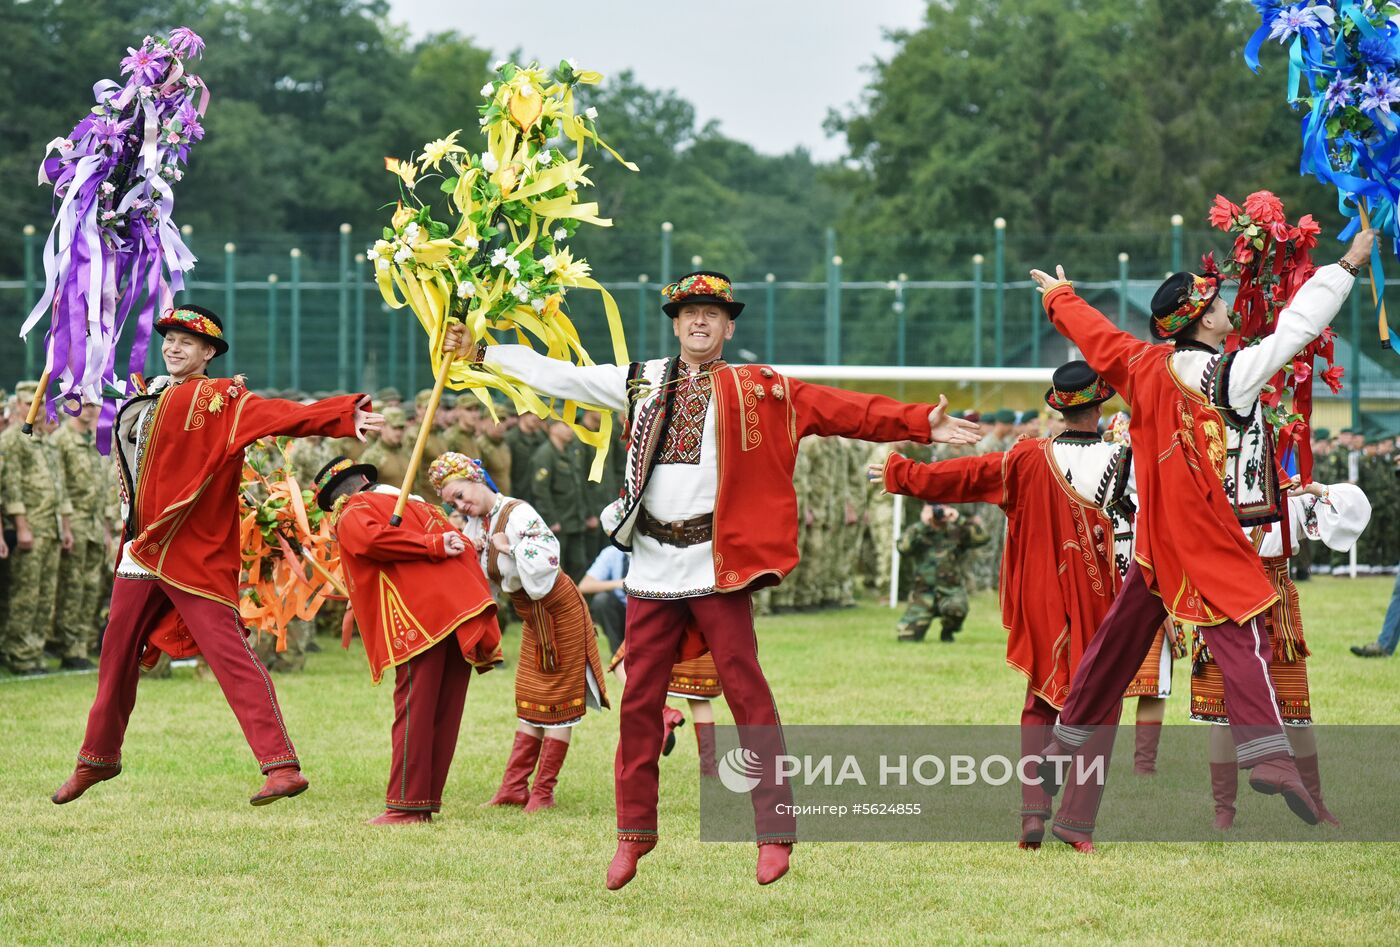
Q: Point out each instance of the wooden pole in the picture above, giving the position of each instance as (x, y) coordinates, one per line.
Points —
(324, 573)
(424, 430)
(1383, 327)
(37, 404)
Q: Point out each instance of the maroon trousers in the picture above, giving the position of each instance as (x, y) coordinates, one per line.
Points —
(1122, 642)
(430, 690)
(1080, 806)
(137, 604)
(655, 628)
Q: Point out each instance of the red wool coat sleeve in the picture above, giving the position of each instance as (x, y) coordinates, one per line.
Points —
(980, 479)
(1108, 349)
(362, 532)
(836, 412)
(276, 417)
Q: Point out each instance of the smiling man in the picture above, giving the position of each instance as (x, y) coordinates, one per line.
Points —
(179, 448)
(709, 513)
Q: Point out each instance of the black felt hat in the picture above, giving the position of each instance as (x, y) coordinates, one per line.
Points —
(331, 476)
(197, 321)
(702, 286)
(1075, 385)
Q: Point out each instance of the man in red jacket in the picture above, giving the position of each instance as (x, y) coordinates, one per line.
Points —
(179, 446)
(1066, 501)
(1207, 468)
(709, 513)
(424, 609)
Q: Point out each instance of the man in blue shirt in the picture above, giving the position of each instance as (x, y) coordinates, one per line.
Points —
(607, 601)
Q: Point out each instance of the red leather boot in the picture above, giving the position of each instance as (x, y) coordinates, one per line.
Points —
(1280, 777)
(705, 743)
(552, 753)
(1312, 779)
(773, 862)
(399, 817)
(284, 782)
(1032, 831)
(85, 776)
(673, 720)
(515, 785)
(1147, 736)
(1224, 783)
(624, 862)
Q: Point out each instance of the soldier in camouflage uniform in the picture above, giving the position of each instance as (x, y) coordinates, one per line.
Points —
(557, 487)
(815, 544)
(388, 451)
(36, 503)
(495, 452)
(80, 570)
(6, 529)
(461, 436)
(938, 547)
(523, 440)
(788, 595)
(986, 563)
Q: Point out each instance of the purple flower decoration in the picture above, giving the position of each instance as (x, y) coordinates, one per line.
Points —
(189, 122)
(186, 42)
(146, 65)
(1379, 91)
(1300, 17)
(109, 133)
(1338, 94)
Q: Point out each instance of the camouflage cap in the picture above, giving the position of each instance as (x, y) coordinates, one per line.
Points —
(1005, 416)
(423, 396)
(388, 395)
(395, 416)
(25, 390)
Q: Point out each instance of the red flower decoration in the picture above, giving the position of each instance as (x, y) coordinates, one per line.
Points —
(1302, 370)
(1223, 213)
(1306, 232)
(1333, 378)
(1280, 231)
(1208, 267)
(1244, 251)
(1263, 207)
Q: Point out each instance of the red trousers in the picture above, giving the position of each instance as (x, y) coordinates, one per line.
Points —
(430, 690)
(137, 605)
(1123, 640)
(655, 628)
(1080, 806)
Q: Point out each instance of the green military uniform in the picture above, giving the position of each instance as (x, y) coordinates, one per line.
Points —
(794, 592)
(939, 556)
(556, 486)
(495, 457)
(390, 461)
(522, 454)
(32, 487)
(986, 562)
(851, 509)
(80, 570)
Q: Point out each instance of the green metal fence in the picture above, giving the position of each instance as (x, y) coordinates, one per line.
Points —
(304, 313)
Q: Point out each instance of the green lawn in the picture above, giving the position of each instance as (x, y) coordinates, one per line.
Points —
(172, 852)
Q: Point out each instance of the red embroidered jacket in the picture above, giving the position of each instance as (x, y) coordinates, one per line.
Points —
(1058, 576)
(1189, 542)
(407, 593)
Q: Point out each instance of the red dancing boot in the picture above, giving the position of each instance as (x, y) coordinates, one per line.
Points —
(284, 782)
(773, 862)
(1147, 736)
(1032, 831)
(705, 743)
(1224, 783)
(552, 755)
(399, 817)
(673, 720)
(1280, 777)
(1312, 779)
(1081, 842)
(515, 785)
(85, 775)
(624, 863)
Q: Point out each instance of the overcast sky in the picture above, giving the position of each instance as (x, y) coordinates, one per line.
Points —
(767, 70)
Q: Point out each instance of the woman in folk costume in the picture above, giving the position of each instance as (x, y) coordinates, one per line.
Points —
(425, 610)
(1069, 532)
(559, 674)
(1335, 515)
(696, 681)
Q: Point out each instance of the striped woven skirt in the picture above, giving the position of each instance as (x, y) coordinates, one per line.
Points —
(1154, 678)
(560, 672)
(1288, 668)
(695, 679)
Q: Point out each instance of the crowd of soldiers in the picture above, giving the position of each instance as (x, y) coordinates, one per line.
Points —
(61, 520)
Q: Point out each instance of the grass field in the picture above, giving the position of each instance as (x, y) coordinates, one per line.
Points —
(172, 852)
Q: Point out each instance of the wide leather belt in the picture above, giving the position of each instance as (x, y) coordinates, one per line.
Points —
(691, 532)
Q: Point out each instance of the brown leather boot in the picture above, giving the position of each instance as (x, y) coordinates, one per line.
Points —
(773, 862)
(1224, 784)
(624, 863)
(552, 753)
(515, 785)
(1312, 779)
(284, 782)
(1280, 777)
(1147, 736)
(85, 775)
(705, 743)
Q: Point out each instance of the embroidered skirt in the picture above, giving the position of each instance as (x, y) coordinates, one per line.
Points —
(1288, 668)
(1154, 678)
(694, 679)
(559, 667)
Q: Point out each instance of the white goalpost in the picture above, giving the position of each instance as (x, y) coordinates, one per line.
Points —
(958, 377)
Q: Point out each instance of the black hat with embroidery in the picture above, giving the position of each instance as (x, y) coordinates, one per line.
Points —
(1075, 385)
(197, 321)
(331, 476)
(702, 286)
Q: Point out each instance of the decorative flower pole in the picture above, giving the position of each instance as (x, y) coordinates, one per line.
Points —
(1344, 56)
(496, 255)
(113, 244)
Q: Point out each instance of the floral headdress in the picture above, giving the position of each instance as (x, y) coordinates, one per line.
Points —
(1197, 296)
(453, 466)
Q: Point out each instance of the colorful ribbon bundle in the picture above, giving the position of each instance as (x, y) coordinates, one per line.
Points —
(1271, 259)
(276, 532)
(113, 245)
(1344, 70)
(496, 255)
